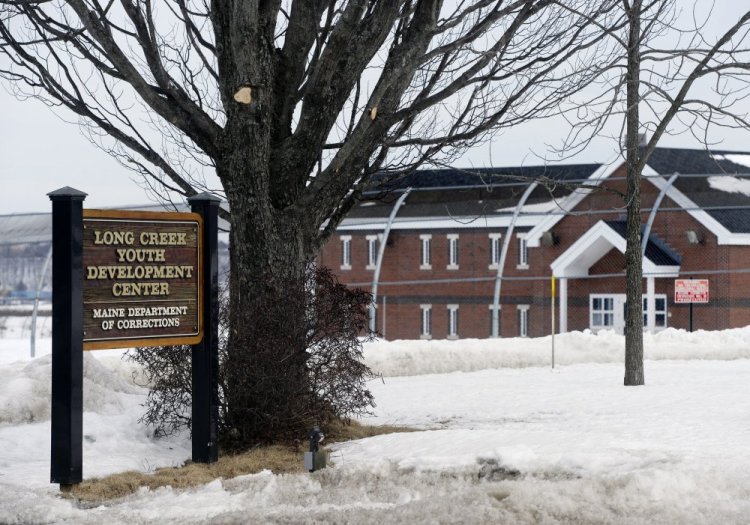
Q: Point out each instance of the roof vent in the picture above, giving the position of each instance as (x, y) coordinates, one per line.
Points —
(549, 239)
(642, 140)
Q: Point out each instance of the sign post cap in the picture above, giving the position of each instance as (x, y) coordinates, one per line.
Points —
(67, 193)
(204, 197)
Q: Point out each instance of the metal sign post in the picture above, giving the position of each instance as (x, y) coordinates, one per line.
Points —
(552, 305)
(205, 354)
(691, 291)
(122, 279)
(67, 337)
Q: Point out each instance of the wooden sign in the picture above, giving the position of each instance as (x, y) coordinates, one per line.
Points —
(691, 291)
(141, 278)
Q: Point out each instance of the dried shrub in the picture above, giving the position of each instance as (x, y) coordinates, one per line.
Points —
(332, 386)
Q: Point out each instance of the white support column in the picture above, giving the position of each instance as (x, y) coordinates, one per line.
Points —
(651, 304)
(563, 305)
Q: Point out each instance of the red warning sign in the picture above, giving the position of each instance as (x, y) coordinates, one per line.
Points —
(691, 290)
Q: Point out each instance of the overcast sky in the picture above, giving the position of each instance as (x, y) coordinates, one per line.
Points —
(39, 152)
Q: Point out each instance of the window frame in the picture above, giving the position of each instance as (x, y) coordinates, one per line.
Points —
(523, 252)
(453, 321)
(373, 246)
(523, 320)
(346, 252)
(663, 312)
(425, 246)
(425, 321)
(495, 250)
(452, 251)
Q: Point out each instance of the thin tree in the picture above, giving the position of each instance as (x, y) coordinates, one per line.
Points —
(666, 80)
(286, 108)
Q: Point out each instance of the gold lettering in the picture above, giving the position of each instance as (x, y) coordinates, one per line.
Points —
(109, 238)
(132, 255)
(139, 289)
(163, 239)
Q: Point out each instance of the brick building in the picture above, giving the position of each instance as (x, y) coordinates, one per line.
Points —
(439, 269)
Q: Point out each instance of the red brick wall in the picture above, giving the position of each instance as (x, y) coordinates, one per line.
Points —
(402, 263)
(730, 293)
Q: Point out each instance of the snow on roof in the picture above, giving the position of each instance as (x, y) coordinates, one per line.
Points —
(539, 207)
(742, 159)
(730, 183)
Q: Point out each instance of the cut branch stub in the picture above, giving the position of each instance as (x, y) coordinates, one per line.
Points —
(244, 95)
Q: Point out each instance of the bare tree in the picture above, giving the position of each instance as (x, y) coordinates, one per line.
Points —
(666, 80)
(287, 107)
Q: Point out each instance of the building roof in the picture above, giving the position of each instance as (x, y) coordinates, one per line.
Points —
(603, 236)
(657, 251)
(466, 194)
(717, 181)
(479, 177)
(688, 161)
(23, 228)
(712, 186)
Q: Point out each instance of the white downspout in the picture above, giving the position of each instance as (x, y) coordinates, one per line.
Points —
(501, 262)
(650, 281)
(381, 251)
(563, 305)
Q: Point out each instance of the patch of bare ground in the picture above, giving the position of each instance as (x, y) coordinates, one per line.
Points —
(279, 459)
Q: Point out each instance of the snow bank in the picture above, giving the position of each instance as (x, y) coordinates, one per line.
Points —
(25, 389)
(417, 357)
(514, 443)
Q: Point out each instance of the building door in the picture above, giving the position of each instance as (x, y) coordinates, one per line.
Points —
(607, 312)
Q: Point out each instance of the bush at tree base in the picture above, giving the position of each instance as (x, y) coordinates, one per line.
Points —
(334, 386)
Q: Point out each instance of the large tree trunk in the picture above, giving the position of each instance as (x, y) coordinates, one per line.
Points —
(633, 258)
(268, 394)
(268, 391)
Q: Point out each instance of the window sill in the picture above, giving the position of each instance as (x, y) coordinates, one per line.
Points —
(452, 267)
(522, 267)
(425, 267)
(370, 267)
(345, 267)
(492, 267)
(425, 336)
(452, 337)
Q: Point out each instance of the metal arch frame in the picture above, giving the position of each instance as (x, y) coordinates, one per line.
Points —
(503, 254)
(381, 252)
(650, 280)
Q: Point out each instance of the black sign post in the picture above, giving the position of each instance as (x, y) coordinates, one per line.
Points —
(205, 355)
(67, 337)
(181, 241)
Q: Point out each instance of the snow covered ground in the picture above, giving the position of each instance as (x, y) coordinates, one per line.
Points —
(503, 439)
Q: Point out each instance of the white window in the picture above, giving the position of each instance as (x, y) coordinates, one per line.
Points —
(453, 251)
(452, 321)
(607, 312)
(426, 261)
(523, 320)
(372, 251)
(346, 252)
(602, 312)
(426, 321)
(494, 250)
(523, 252)
(660, 310)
